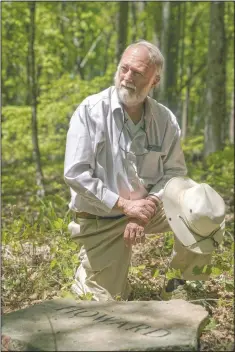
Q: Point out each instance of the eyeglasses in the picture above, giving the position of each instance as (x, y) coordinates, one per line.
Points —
(124, 150)
(211, 235)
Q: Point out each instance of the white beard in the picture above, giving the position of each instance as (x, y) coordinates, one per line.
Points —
(129, 97)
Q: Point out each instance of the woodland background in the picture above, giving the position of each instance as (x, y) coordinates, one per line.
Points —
(54, 54)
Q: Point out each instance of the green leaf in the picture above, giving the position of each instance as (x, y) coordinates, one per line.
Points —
(73, 246)
(212, 325)
(75, 259)
(155, 273)
(173, 273)
(205, 269)
(87, 297)
(66, 294)
(215, 271)
(229, 286)
(58, 224)
(68, 272)
(53, 263)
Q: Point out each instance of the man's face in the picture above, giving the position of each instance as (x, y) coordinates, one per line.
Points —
(135, 76)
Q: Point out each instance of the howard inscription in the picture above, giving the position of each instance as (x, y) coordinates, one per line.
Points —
(143, 329)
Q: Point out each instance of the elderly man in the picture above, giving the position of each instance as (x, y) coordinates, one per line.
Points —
(122, 148)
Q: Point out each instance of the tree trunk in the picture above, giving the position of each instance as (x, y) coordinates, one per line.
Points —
(163, 47)
(33, 90)
(172, 58)
(106, 56)
(62, 12)
(190, 68)
(80, 44)
(156, 37)
(134, 19)
(216, 75)
(141, 6)
(231, 122)
(182, 46)
(122, 19)
(169, 41)
(185, 112)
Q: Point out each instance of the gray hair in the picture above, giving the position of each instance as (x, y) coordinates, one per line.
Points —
(155, 55)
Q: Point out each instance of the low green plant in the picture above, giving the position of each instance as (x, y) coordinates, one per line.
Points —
(38, 254)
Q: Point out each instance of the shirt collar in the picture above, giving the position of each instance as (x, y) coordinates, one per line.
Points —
(117, 105)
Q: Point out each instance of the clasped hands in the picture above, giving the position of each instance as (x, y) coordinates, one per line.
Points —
(139, 212)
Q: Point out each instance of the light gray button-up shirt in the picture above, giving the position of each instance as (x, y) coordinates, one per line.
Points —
(106, 157)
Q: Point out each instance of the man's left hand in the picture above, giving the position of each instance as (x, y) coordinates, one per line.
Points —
(134, 232)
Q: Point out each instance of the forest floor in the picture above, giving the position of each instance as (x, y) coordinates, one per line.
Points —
(218, 335)
(39, 258)
(147, 277)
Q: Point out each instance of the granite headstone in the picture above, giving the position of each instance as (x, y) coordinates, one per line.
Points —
(69, 325)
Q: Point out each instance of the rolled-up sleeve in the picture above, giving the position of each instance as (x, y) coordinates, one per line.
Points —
(80, 163)
(174, 161)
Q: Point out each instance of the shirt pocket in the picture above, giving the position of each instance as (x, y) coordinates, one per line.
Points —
(150, 166)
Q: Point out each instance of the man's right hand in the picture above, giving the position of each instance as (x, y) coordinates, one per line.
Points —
(142, 209)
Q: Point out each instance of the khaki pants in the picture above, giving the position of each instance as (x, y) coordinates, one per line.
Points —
(105, 259)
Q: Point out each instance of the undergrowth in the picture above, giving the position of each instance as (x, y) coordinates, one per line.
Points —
(39, 258)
